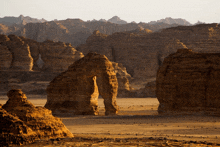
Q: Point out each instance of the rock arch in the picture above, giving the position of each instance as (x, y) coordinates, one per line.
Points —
(76, 91)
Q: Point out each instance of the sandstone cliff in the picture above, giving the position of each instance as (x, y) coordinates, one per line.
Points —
(76, 91)
(142, 54)
(189, 82)
(20, 57)
(20, 53)
(22, 122)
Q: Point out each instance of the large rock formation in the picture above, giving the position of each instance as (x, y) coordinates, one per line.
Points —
(14, 131)
(20, 53)
(22, 122)
(76, 90)
(189, 82)
(123, 80)
(17, 53)
(142, 53)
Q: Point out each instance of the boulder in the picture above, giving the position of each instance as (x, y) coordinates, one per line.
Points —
(29, 120)
(76, 91)
(189, 82)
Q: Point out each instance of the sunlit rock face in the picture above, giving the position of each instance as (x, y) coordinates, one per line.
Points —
(30, 122)
(52, 56)
(76, 91)
(189, 82)
(16, 54)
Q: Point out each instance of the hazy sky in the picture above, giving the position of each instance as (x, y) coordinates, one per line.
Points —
(129, 10)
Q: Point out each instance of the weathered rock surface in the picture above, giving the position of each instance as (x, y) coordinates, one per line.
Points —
(5, 58)
(20, 53)
(24, 122)
(148, 91)
(58, 56)
(76, 91)
(16, 53)
(143, 53)
(13, 130)
(123, 79)
(140, 54)
(189, 82)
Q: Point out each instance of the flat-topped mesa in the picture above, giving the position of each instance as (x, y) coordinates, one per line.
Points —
(189, 82)
(36, 122)
(76, 91)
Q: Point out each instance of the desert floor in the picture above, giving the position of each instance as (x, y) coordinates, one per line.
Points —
(137, 120)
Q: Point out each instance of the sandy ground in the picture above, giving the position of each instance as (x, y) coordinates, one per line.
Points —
(138, 118)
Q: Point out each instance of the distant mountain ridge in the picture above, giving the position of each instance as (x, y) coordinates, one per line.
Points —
(169, 20)
(75, 31)
(10, 20)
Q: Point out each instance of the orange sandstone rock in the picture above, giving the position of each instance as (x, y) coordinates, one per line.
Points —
(76, 91)
(189, 82)
(34, 122)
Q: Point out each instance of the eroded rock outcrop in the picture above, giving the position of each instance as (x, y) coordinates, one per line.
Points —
(76, 91)
(17, 53)
(123, 80)
(149, 90)
(141, 54)
(20, 53)
(28, 122)
(189, 82)
(58, 56)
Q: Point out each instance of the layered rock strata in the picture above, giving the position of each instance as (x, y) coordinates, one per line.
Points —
(76, 91)
(27, 122)
(123, 79)
(189, 82)
(16, 53)
(20, 53)
(143, 53)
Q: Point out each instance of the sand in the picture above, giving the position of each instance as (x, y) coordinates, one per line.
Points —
(137, 120)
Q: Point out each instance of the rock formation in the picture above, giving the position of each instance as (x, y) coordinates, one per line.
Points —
(123, 80)
(14, 131)
(189, 82)
(58, 56)
(5, 58)
(148, 91)
(142, 53)
(17, 54)
(23, 122)
(76, 91)
(20, 53)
